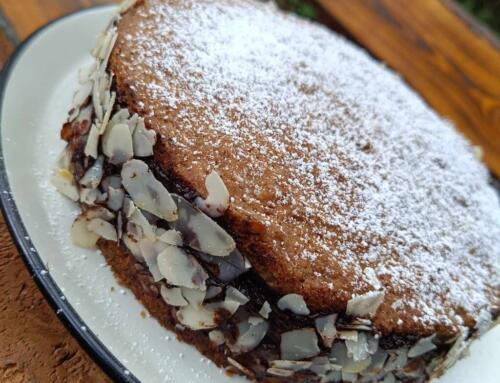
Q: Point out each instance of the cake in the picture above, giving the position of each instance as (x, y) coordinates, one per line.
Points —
(278, 198)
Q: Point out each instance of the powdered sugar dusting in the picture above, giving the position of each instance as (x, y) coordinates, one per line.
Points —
(334, 149)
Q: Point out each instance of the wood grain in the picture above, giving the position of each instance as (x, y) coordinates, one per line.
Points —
(6, 47)
(35, 346)
(451, 62)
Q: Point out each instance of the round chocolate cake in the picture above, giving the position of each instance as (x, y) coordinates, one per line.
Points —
(279, 199)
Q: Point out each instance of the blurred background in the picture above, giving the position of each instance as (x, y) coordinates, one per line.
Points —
(485, 11)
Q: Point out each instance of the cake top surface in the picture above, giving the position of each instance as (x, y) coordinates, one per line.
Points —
(340, 175)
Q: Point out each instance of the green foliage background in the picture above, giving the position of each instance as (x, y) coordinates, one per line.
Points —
(486, 11)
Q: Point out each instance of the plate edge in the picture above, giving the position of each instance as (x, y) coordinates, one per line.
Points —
(32, 260)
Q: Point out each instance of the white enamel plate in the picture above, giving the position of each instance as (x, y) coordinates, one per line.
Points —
(36, 89)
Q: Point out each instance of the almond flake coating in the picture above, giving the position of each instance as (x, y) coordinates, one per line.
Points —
(333, 155)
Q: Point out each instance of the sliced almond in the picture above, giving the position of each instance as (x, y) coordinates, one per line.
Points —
(299, 344)
(279, 372)
(197, 317)
(217, 337)
(132, 123)
(120, 117)
(230, 267)
(91, 147)
(358, 349)
(240, 367)
(99, 40)
(378, 361)
(82, 94)
(114, 181)
(119, 225)
(109, 109)
(372, 340)
(233, 300)
(366, 304)
(265, 310)
(65, 184)
(349, 376)
(217, 200)
(150, 254)
(332, 376)
(348, 335)
(213, 291)
(96, 98)
(115, 198)
(93, 176)
(397, 359)
(99, 212)
(108, 46)
(64, 158)
(295, 303)
(358, 324)
(291, 365)
(200, 231)
(171, 237)
(339, 356)
(136, 217)
(143, 140)
(254, 321)
(173, 296)
(181, 269)
(133, 246)
(423, 346)
(250, 334)
(85, 114)
(455, 352)
(81, 235)
(103, 228)
(105, 43)
(326, 328)
(147, 192)
(389, 378)
(126, 5)
(321, 366)
(194, 297)
(85, 74)
(233, 294)
(89, 196)
(117, 144)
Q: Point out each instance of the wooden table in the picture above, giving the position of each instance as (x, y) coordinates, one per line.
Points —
(447, 57)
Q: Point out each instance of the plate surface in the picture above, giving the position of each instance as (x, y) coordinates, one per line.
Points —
(37, 90)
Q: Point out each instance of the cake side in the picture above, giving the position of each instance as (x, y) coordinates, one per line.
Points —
(334, 166)
(135, 276)
(195, 262)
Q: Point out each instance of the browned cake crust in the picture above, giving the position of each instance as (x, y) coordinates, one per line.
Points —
(135, 276)
(361, 235)
(290, 243)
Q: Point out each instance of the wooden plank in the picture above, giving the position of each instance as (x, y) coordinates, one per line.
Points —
(28, 15)
(453, 64)
(6, 48)
(35, 345)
